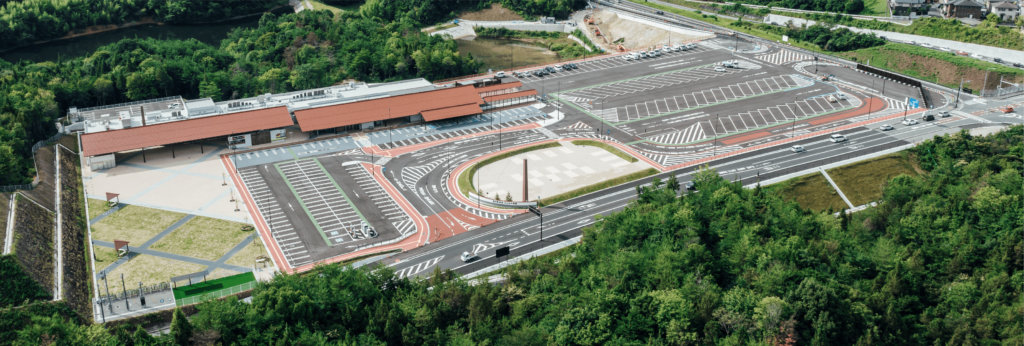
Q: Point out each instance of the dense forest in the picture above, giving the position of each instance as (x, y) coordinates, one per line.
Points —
(27, 21)
(295, 51)
(938, 262)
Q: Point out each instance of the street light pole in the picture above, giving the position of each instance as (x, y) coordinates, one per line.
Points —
(714, 145)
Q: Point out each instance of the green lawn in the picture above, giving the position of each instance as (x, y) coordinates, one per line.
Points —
(862, 181)
(134, 224)
(149, 270)
(97, 207)
(203, 237)
(213, 285)
(875, 8)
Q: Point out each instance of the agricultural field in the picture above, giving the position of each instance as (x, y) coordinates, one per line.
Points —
(74, 253)
(33, 241)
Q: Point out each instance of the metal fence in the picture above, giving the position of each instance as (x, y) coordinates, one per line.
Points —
(999, 92)
(216, 294)
(47, 141)
(134, 292)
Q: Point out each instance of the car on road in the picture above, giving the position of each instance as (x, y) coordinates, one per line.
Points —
(885, 127)
(944, 49)
(927, 117)
(1017, 64)
(797, 148)
(909, 122)
(469, 257)
(836, 138)
(719, 69)
(690, 186)
(944, 114)
(660, 13)
(500, 74)
(998, 60)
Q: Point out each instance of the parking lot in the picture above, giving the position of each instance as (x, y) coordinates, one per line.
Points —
(332, 212)
(281, 228)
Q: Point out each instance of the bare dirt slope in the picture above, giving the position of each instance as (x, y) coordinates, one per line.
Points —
(637, 35)
(495, 13)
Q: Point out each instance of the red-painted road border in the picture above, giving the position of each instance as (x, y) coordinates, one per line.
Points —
(250, 205)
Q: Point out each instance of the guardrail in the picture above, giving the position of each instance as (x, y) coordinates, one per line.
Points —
(501, 204)
(215, 294)
(135, 292)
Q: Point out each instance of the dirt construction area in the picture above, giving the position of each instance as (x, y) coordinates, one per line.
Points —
(495, 13)
(638, 34)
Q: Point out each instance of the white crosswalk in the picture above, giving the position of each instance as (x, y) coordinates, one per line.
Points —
(579, 125)
(419, 267)
(668, 160)
(783, 56)
(693, 133)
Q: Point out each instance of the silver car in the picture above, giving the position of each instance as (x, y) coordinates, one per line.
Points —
(885, 127)
(797, 149)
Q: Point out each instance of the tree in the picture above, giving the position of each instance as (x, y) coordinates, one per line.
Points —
(210, 89)
(854, 6)
(673, 183)
(181, 328)
(508, 196)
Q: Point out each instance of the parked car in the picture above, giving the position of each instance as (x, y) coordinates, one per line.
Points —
(885, 127)
(500, 74)
(666, 49)
(549, 69)
(643, 54)
(574, 66)
(836, 138)
(797, 148)
(909, 122)
(655, 53)
(558, 68)
(841, 96)
(677, 47)
(719, 69)
(627, 57)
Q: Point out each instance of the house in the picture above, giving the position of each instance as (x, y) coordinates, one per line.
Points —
(904, 7)
(964, 9)
(1007, 11)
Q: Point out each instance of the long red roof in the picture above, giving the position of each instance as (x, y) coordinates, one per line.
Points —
(500, 86)
(452, 112)
(378, 109)
(500, 97)
(106, 142)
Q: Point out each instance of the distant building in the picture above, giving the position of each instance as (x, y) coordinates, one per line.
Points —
(905, 7)
(1007, 11)
(964, 9)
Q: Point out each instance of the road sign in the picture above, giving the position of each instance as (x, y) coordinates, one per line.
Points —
(501, 252)
(913, 103)
(535, 210)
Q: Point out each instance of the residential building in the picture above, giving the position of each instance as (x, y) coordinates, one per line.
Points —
(1007, 11)
(964, 9)
(905, 7)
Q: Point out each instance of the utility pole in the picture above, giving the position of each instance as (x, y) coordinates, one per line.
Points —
(124, 293)
(985, 83)
(714, 145)
(958, 90)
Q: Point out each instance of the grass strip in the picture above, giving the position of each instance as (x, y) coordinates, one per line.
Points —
(811, 191)
(466, 179)
(598, 186)
(862, 182)
(607, 147)
(303, 204)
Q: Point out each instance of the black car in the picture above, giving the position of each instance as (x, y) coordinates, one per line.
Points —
(927, 117)
(568, 66)
(1017, 64)
(544, 72)
(690, 186)
(536, 73)
(660, 13)
(997, 60)
(549, 69)
(574, 66)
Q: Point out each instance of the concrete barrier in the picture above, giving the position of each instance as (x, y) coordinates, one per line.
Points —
(500, 204)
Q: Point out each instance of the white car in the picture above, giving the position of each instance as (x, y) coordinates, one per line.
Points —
(500, 74)
(841, 96)
(468, 257)
(558, 68)
(885, 127)
(666, 49)
(719, 69)
(797, 149)
(909, 122)
(837, 138)
(677, 47)
(643, 54)
(655, 53)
